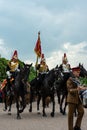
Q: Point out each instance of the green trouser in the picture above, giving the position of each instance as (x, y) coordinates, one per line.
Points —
(71, 110)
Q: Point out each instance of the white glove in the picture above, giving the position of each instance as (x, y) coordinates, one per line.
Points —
(8, 74)
(18, 70)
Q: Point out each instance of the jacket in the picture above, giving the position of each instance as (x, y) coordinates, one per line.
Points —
(73, 94)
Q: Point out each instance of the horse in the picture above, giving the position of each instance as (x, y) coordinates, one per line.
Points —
(35, 90)
(83, 71)
(43, 87)
(19, 89)
(61, 91)
(8, 97)
(48, 88)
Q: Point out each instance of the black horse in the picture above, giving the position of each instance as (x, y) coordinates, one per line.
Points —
(8, 97)
(46, 88)
(19, 89)
(83, 71)
(61, 91)
(35, 90)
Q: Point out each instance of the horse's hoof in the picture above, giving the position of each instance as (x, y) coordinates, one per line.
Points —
(20, 111)
(9, 113)
(61, 111)
(38, 112)
(18, 117)
(44, 115)
(52, 114)
(64, 113)
(30, 110)
(4, 109)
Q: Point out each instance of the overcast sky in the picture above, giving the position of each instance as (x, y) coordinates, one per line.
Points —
(63, 27)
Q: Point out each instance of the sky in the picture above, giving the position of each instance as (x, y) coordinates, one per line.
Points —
(62, 25)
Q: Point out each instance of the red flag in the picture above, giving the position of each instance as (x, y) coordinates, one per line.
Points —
(37, 48)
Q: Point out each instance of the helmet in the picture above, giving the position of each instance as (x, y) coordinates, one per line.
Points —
(15, 55)
(42, 58)
(64, 59)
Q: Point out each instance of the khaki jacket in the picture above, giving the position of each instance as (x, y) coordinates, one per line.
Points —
(73, 95)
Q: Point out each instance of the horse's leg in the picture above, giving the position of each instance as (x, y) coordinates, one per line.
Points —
(38, 103)
(5, 103)
(64, 111)
(17, 106)
(53, 109)
(10, 104)
(43, 103)
(58, 96)
(61, 103)
(31, 100)
(23, 103)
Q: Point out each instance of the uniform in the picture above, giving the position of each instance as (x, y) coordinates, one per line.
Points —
(65, 67)
(12, 67)
(74, 103)
(42, 68)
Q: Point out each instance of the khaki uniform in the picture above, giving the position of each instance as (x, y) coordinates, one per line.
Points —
(74, 103)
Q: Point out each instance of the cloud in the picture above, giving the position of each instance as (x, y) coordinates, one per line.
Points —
(4, 50)
(75, 54)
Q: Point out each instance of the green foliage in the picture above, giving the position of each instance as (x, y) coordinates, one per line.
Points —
(83, 80)
(32, 73)
(3, 63)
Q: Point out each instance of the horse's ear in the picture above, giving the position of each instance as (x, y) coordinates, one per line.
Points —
(56, 66)
(79, 64)
(23, 64)
(31, 64)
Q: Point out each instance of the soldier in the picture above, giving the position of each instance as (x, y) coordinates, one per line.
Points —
(65, 67)
(12, 67)
(74, 100)
(42, 68)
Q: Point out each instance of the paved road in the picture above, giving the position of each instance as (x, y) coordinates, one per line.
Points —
(33, 121)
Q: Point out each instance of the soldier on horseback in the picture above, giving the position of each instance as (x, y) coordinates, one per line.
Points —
(65, 66)
(12, 68)
(42, 68)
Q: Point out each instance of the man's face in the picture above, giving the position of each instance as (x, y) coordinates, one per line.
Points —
(76, 73)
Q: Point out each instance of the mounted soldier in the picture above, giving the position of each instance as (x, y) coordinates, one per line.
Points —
(42, 68)
(12, 68)
(65, 67)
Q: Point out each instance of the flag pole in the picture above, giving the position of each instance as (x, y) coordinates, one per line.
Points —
(36, 64)
(37, 50)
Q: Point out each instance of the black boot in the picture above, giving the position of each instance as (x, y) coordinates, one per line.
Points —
(77, 128)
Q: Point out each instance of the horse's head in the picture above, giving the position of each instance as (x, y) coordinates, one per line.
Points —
(58, 73)
(26, 71)
(83, 71)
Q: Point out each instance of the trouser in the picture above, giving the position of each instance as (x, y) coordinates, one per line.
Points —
(71, 109)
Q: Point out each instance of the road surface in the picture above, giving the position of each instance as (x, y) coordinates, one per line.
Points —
(34, 121)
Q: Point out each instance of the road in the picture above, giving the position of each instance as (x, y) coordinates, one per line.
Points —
(34, 121)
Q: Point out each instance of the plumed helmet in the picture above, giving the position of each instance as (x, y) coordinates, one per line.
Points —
(64, 58)
(15, 55)
(42, 58)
